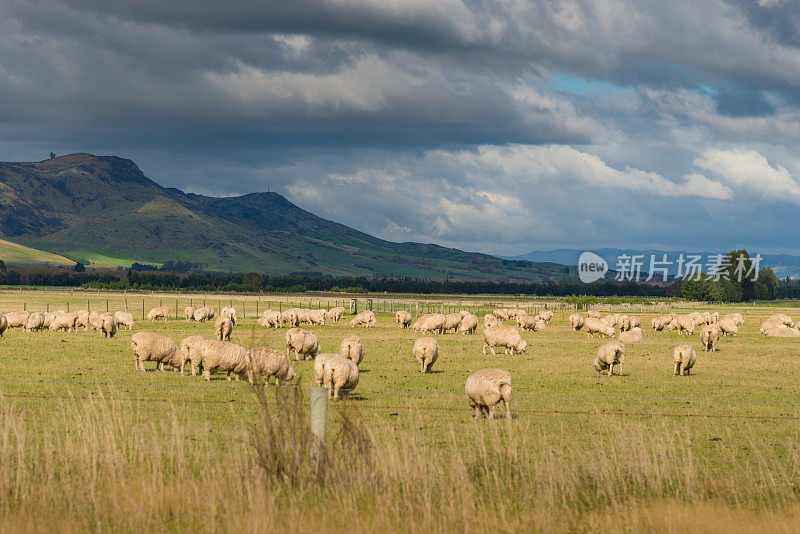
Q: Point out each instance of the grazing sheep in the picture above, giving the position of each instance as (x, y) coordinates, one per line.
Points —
(546, 315)
(17, 319)
(270, 319)
(365, 318)
(124, 318)
(188, 313)
(501, 314)
(352, 348)
(223, 327)
(609, 355)
(715, 318)
(486, 389)
(35, 322)
(490, 320)
(94, 321)
(108, 325)
(269, 362)
(469, 324)
(48, 318)
(224, 357)
(3, 324)
(335, 314)
(464, 313)
(340, 374)
(686, 323)
(319, 366)
(291, 317)
(403, 319)
(659, 323)
(431, 323)
(316, 317)
(709, 337)
(65, 322)
(532, 324)
(82, 319)
(425, 351)
(303, 316)
(576, 321)
(593, 314)
(509, 338)
(684, 357)
(190, 352)
(634, 335)
(158, 313)
(728, 327)
(230, 312)
(202, 314)
(624, 323)
(149, 346)
(596, 326)
(302, 342)
(636, 322)
(451, 322)
(738, 318)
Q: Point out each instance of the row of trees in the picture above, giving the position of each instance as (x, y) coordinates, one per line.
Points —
(725, 285)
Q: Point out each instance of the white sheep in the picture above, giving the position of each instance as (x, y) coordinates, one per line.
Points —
(486, 389)
(576, 321)
(608, 355)
(683, 357)
(203, 314)
(190, 352)
(709, 337)
(546, 315)
(335, 314)
(728, 327)
(124, 318)
(434, 322)
(64, 321)
(224, 357)
(365, 318)
(35, 322)
(634, 335)
(3, 324)
(108, 325)
(270, 319)
(267, 363)
(509, 338)
(302, 342)
(158, 313)
(596, 326)
(469, 324)
(352, 347)
(149, 346)
(451, 322)
(426, 352)
(319, 366)
(188, 313)
(491, 320)
(17, 319)
(291, 317)
(223, 327)
(230, 312)
(340, 374)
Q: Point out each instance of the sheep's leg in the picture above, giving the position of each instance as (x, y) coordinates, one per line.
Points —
(477, 412)
(611, 369)
(507, 402)
(484, 348)
(491, 412)
(207, 375)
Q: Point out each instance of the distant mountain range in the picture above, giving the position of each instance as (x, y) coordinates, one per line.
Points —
(784, 265)
(104, 210)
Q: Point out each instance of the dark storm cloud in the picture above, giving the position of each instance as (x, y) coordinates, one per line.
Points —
(450, 121)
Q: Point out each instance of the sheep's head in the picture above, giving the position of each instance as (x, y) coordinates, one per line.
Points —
(522, 346)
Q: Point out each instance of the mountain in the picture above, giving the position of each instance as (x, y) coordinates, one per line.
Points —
(784, 265)
(103, 209)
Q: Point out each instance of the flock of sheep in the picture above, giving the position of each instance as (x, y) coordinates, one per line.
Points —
(339, 372)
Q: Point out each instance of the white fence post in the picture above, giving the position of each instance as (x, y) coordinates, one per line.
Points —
(319, 420)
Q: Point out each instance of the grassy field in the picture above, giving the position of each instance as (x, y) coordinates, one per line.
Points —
(13, 254)
(86, 443)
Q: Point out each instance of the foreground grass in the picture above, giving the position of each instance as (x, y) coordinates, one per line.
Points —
(88, 444)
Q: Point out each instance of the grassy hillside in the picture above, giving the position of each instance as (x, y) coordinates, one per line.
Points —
(81, 205)
(14, 254)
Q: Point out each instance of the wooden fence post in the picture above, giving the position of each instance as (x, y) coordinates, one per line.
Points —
(318, 420)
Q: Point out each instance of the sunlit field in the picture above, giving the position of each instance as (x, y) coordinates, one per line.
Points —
(89, 443)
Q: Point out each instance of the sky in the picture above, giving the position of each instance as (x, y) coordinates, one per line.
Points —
(499, 127)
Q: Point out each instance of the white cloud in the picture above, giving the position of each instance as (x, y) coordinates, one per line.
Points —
(750, 170)
(557, 162)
